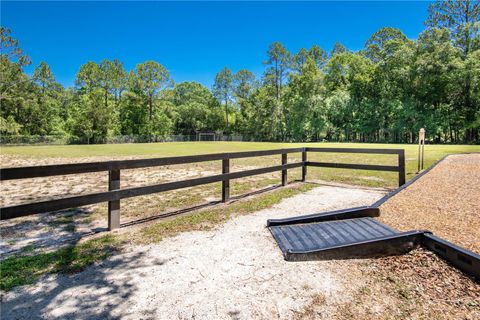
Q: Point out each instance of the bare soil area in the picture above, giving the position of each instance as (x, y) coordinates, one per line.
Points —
(445, 200)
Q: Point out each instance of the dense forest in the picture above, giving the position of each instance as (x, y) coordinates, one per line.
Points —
(383, 93)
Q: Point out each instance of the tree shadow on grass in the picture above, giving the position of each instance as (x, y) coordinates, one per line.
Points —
(94, 293)
(43, 232)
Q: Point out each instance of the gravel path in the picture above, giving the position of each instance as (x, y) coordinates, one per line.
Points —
(445, 201)
(235, 271)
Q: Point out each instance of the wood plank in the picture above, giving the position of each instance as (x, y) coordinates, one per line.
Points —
(304, 168)
(113, 206)
(401, 168)
(225, 183)
(352, 166)
(355, 150)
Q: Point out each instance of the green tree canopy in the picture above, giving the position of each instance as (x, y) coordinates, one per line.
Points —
(223, 90)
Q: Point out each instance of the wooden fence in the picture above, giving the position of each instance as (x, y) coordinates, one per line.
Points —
(115, 193)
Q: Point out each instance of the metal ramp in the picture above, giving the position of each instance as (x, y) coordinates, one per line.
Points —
(354, 233)
(340, 239)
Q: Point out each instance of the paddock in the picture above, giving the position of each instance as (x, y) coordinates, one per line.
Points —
(233, 268)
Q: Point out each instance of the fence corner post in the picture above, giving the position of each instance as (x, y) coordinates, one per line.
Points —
(401, 168)
(304, 166)
(113, 206)
(225, 183)
(284, 171)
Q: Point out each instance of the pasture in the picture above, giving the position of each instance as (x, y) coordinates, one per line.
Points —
(29, 190)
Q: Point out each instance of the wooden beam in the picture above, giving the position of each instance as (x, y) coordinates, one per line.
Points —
(225, 183)
(356, 150)
(284, 172)
(113, 206)
(352, 166)
(401, 168)
(304, 167)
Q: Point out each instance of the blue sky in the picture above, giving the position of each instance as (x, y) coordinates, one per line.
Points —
(194, 39)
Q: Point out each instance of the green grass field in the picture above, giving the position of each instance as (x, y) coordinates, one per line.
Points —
(191, 148)
(145, 150)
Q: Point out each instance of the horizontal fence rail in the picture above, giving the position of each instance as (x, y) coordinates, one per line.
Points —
(352, 166)
(400, 167)
(115, 193)
(357, 150)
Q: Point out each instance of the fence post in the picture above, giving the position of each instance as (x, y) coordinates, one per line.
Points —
(401, 168)
(113, 206)
(284, 172)
(225, 183)
(304, 167)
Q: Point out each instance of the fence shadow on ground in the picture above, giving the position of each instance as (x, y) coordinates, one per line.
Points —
(43, 232)
(96, 292)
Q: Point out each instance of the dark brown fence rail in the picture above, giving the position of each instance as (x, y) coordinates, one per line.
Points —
(115, 194)
(400, 167)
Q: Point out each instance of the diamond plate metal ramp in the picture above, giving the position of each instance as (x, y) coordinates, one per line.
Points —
(342, 239)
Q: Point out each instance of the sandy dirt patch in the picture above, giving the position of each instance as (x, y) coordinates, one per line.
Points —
(55, 187)
(445, 201)
(235, 271)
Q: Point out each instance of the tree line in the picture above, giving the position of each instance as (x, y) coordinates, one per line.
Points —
(383, 93)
